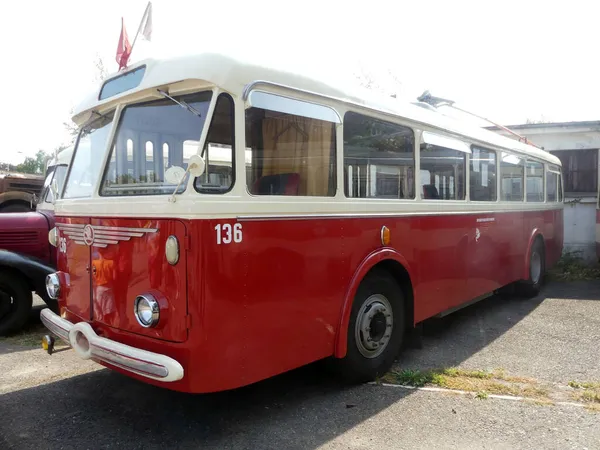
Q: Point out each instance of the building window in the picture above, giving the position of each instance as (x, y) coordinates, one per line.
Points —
(512, 169)
(379, 160)
(535, 181)
(580, 170)
(289, 154)
(482, 177)
(442, 172)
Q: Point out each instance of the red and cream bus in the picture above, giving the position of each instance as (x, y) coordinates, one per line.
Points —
(223, 222)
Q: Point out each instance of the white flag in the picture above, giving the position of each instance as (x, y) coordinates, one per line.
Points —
(146, 25)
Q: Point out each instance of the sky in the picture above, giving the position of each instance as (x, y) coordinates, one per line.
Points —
(506, 60)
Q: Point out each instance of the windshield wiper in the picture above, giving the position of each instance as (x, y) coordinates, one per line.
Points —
(181, 103)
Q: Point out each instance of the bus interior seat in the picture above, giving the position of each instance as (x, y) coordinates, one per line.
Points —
(279, 184)
(430, 191)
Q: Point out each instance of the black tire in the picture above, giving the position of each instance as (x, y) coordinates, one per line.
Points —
(15, 302)
(533, 285)
(15, 207)
(355, 367)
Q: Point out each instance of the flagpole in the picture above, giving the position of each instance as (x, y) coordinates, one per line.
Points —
(139, 28)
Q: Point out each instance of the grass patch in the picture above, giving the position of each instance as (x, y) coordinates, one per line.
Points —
(478, 381)
(572, 267)
(584, 385)
(587, 392)
(482, 395)
(590, 396)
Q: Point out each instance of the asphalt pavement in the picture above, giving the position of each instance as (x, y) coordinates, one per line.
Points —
(61, 402)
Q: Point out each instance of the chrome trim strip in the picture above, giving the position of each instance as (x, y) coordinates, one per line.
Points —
(134, 360)
(247, 218)
(133, 230)
(118, 234)
(75, 225)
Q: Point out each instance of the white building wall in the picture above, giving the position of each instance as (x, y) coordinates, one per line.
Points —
(580, 228)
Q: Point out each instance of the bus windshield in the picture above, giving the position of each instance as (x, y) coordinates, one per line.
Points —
(152, 138)
(87, 161)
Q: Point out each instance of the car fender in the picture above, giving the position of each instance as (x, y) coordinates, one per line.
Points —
(32, 269)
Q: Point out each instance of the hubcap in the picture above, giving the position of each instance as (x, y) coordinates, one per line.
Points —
(374, 325)
(536, 267)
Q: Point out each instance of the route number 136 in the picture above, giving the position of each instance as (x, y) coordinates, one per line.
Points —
(226, 233)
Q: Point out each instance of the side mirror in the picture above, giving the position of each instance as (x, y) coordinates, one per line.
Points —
(196, 165)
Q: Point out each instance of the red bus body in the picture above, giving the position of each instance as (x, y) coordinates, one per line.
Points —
(277, 300)
(236, 311)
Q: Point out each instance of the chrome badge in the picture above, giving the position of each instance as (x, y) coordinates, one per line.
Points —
(99, 235)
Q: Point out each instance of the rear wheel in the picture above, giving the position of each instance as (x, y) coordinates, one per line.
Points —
(376, 328)
(537, 269)
(15, 302)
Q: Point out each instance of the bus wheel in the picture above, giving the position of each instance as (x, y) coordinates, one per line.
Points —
(376, 328)
(15, 303)
(537, 268)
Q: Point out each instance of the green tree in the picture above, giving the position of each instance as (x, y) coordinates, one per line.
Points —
(34, 165)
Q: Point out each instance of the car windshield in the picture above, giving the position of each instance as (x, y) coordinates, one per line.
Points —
(87, 161)
(153, 144)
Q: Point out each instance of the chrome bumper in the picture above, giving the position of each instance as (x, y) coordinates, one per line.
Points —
(88, 345)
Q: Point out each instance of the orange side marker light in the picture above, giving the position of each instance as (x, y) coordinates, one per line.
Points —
(386, 235)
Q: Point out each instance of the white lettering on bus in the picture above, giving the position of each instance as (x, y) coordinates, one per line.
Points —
(224, 233)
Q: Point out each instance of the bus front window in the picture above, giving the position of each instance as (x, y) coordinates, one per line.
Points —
(152, 138)
(87, 161)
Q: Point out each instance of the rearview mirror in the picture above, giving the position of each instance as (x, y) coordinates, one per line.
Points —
(196, 165)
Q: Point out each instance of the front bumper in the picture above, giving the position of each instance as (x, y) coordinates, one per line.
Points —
(88, 345)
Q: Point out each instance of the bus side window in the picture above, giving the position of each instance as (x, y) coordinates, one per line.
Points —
(482, 176)
(379, 160)
(446, 168)
(535, 181)
(551, 186)
(560, 187)
(290, 154)
(218, 152)
(512, 174)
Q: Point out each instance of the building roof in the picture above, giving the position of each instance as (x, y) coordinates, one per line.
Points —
(234, 74)
(532, 126)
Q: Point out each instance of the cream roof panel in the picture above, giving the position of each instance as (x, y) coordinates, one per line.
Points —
(234, 74)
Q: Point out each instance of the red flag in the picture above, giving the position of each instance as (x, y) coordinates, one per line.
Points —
(124, 47)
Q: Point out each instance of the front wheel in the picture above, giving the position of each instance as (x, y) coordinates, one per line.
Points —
(15, 303)
(376, 329)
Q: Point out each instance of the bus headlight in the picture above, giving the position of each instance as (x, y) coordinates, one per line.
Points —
(147, 311)
(172, 250)
(53, 237)
(53, 286)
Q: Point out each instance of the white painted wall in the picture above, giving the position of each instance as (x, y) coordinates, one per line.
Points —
(580, 227)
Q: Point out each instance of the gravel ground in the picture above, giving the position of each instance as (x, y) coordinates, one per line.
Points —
(61, 402)
(553, 337)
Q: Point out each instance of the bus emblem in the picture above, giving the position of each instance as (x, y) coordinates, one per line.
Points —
(88, 235)
(100, 235)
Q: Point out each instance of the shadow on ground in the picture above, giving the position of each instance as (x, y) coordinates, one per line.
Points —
(300, 409)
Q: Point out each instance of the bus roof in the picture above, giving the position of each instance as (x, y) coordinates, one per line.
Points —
(234, 75)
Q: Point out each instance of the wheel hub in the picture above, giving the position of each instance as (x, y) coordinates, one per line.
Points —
(374, 325)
